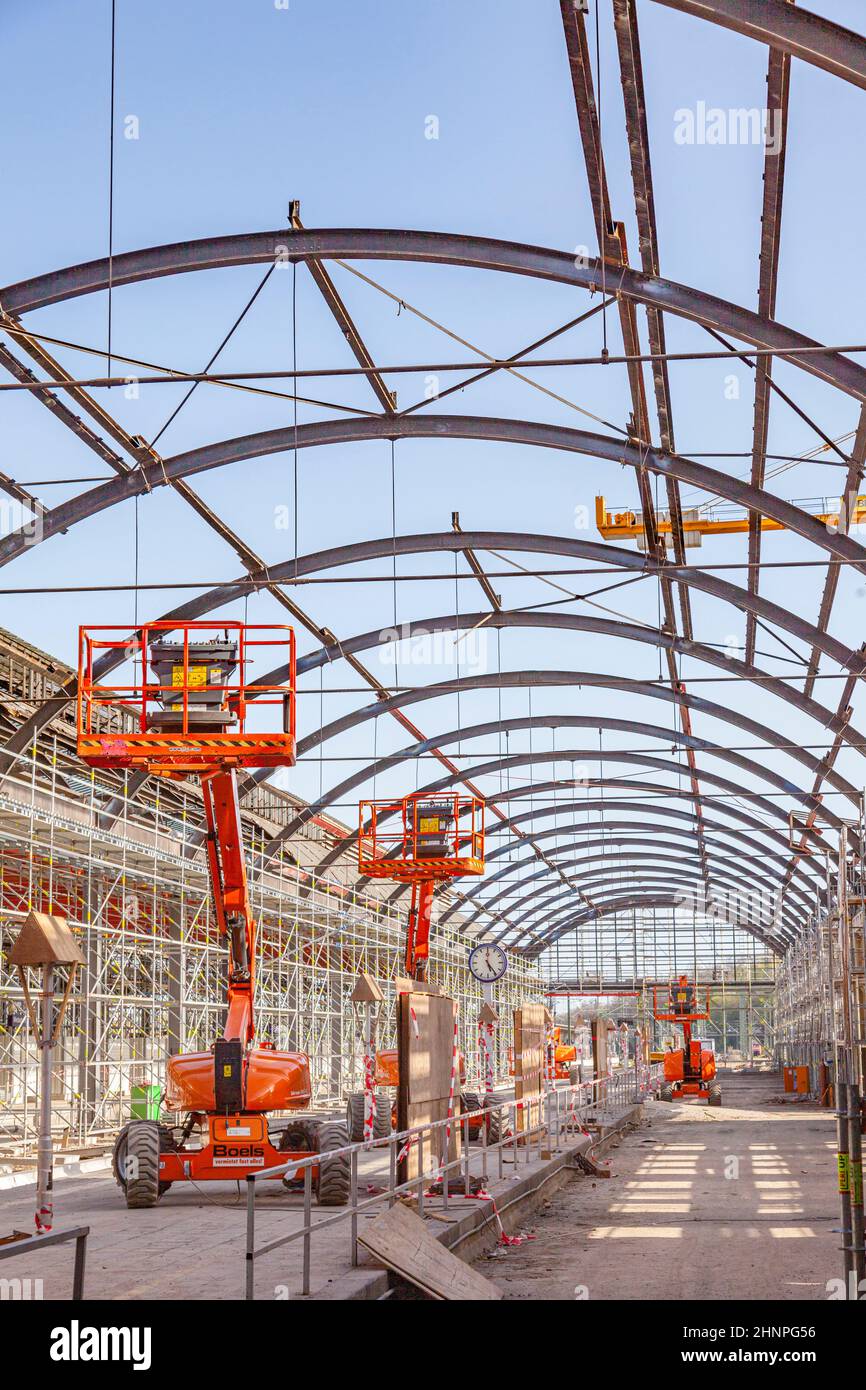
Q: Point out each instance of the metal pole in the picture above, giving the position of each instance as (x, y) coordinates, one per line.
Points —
(78, 1270)
(856, 1187)
(308, 1221)
(45, 1158)
(353, 1197)
(251, 1240)
(844, 1161)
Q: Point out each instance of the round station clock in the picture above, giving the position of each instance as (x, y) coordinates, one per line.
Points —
(488, 962)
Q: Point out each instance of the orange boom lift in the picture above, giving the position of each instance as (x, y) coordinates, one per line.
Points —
(192, 721)
(691, 1070)
(420, 841)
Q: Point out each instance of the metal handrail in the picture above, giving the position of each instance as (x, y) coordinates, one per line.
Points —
(560, 1109)
(30, 1244)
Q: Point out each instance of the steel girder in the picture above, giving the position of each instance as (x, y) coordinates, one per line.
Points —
(622, 852)
(635, 830)
(853, 480)
(512, 725)
(517, 679)
(608, 805)
(778, 86)
(439, 248)
(532, 679)
(359, 552)
(495, 765)
(637, 836)
(734, 812)
(800, 33)
(612, 902)
(687, 869)
(762, 930)
(377, 427)
(585, 755)
(609, 906)
(575, 622)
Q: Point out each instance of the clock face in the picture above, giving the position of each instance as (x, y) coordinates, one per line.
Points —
(488, 962)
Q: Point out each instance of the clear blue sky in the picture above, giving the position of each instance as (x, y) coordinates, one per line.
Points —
(242, 107)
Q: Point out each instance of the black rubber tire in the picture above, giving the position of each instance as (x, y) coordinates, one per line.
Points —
(139, 1141)
(382, 1120)
(355, 1116)
(469, 1101)
(495, 1129)
(300, 1136)
(666, 1092)
(715, 1096)
(334, 1180)
(167, 1144)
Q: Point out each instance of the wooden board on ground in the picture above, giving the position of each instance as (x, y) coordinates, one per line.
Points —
(425, 1049)
(530, 1038)
(403, 1242)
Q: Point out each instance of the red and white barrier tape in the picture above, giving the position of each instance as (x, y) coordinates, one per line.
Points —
(369, 1089)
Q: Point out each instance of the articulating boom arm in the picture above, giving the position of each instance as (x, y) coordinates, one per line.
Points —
(418, 935)
(228, 876)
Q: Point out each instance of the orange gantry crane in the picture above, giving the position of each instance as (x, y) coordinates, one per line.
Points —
(691, 1069)
(191, 690)
(623, 524)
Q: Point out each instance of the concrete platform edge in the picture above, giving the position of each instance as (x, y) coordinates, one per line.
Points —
(473, 1233)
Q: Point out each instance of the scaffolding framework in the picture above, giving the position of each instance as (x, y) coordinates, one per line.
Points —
(127, 870)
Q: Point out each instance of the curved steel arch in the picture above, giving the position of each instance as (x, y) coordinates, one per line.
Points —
(627, 904)
(804, 35)
(520, 680)
(784, 931)
(439, 248)
(636, 828)
(607, 804)
(638, 838)
(566, 755)
(606, 627)
(357, 553)
(612, 871)
(734, 812)
(801, 867)
(607, 907)
(633, 759)
(626, 856)
(540, 721)
(629, 827)
(533, 433)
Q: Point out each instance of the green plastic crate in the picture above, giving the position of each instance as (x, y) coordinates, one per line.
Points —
(145, 1102)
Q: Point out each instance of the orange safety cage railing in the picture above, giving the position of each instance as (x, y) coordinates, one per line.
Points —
(668, 1014)
(192, 687)
(425, 836)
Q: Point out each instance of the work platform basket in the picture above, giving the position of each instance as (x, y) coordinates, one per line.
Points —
(681, 1003)
(191, 689)
(421, 837)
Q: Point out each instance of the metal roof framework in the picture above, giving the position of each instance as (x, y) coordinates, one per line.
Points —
(788, 31)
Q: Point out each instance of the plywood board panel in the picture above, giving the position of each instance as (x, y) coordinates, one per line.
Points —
(403, 1242)
(530, 1039)
(425, 1052)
